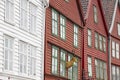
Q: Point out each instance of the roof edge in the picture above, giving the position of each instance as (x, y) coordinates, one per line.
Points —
(113, 18)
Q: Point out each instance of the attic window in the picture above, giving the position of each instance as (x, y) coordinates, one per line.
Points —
(67, 0)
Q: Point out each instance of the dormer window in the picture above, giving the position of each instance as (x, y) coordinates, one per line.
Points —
(118, 29)
(95, 14)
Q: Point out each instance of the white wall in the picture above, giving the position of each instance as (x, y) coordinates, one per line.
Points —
(18, 34)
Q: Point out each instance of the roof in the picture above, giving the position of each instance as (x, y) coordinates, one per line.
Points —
(84, 4)
(108, 8)
(68, 9)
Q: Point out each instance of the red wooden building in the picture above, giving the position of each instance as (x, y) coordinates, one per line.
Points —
(63, 40)
(95, 57)
(113, 10)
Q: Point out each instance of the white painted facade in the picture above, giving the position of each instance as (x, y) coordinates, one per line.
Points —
(12, 28)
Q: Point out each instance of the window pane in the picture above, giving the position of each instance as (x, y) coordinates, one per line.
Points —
(89, 66)
(113, 48)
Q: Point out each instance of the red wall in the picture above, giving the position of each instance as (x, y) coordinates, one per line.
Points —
(100, 28)
(68, 43)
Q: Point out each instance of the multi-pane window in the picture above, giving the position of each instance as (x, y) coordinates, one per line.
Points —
(23, 21)
(118, 29)
(9, 11)
(101, 71)
(117, 50)
(96, 40)
(54, 22)
(73, 71)
(62, 63)
(75, 35)
(62, 27)
(95, 14)
(100, 42)
(70, 71)
(32, 60)
(89, 37)
(113, 48)
(89, 66)
(54, 60)
(23, 57)
(104, 44)
(33, 17)
(8, 53)
(115, 72)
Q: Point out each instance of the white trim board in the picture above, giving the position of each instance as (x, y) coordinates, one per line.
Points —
(113, 18)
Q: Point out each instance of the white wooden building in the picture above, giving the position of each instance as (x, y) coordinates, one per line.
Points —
(22, 39)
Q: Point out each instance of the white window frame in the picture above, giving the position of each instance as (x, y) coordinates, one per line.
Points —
(33, 27)
(62, 27)
(100, 43)
(24, 55)
(23, 20)
(96, 40)
(54, 60)
(9, 17)
(8, 60)
(54, 22)
(63, 63)
(76, 35)
(89, 38)
(118, 25)
(117, 51)
(95, 14)
(113, 49)
(89, 66)
(32, 60)
(104, 44)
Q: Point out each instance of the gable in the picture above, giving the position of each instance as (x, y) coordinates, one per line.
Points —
(68, 9)
(114, 30)
(101, 26)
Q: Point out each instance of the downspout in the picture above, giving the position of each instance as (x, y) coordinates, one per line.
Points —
(109, 57)
(44, 39)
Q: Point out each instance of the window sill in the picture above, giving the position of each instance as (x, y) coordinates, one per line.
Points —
(9, 22)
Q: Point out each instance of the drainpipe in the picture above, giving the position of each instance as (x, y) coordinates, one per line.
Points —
(109, 57)
(46, 4)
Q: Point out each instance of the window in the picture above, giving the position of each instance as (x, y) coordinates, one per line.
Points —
(101, 71)
(113, 49)
(8, 53)
(104, 44)
(70, 71)
(89, 66)
(23, 57)
(23, 20)
(117, 73)
(117, 51)
(89, 38)
(75, 36)
(62, 63)
(33, 18)
(100, 43)
(32, 60)
(119, 29)
(54, 22)
(9, 11)
(54, 60)
(96, 40)
(62, 27)
(73, 71)
(113, 73)
(95, 14)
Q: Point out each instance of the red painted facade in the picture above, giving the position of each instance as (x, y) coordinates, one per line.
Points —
(114, 37)
(70, 10)
(99, 27)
